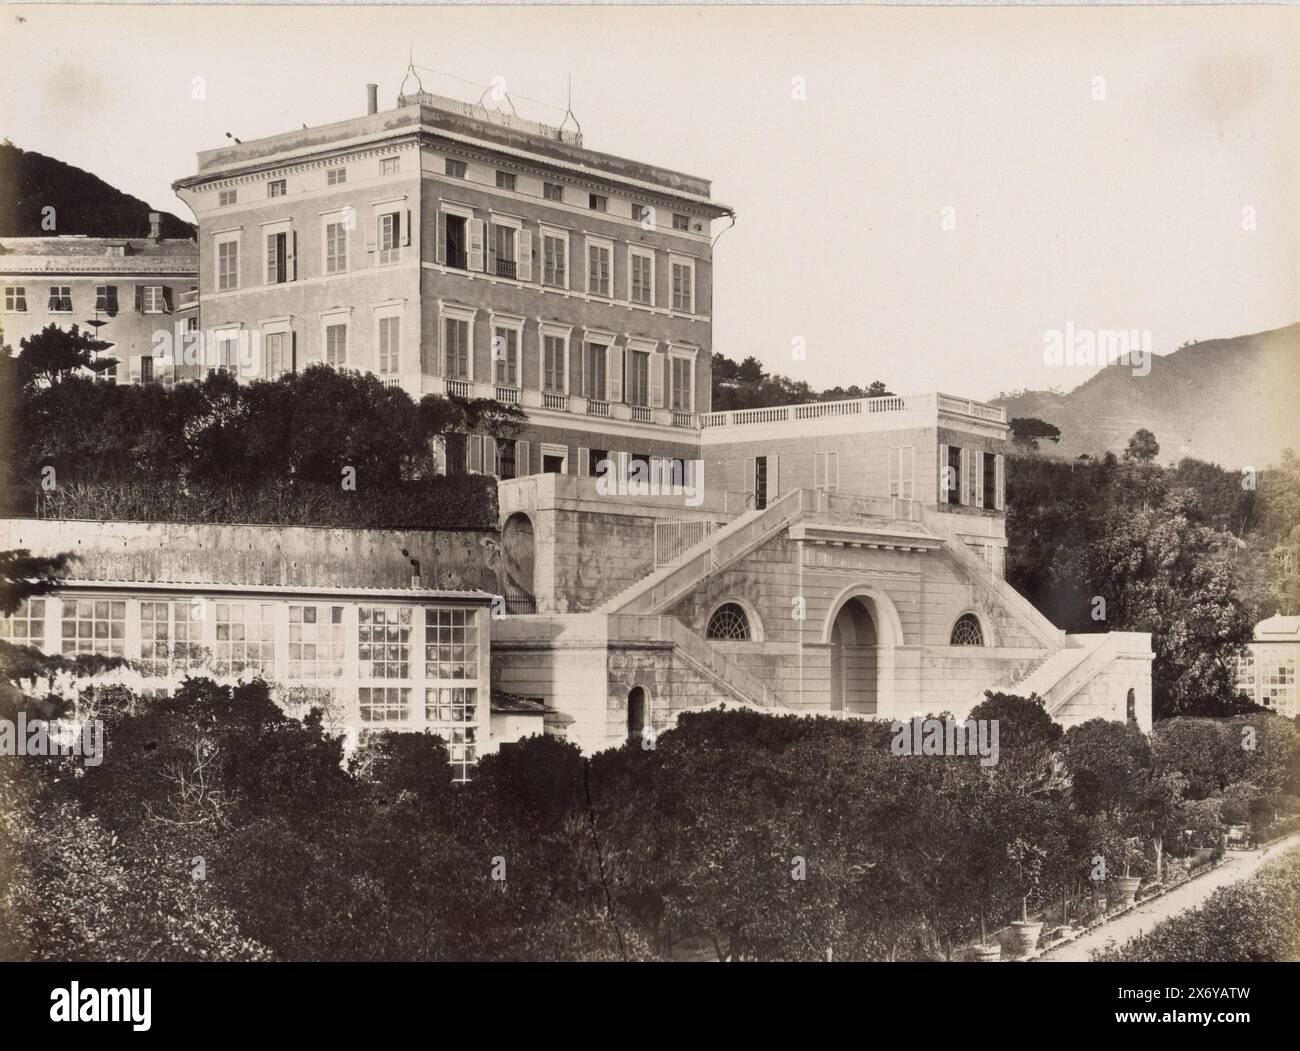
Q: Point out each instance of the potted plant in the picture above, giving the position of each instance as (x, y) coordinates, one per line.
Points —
(1128, 883)
(986, 951)
(1027, 864)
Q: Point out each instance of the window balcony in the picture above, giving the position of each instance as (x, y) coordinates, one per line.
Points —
(506, 394)
(460, 388)
(507, 268)
(683, 419)
(555, 400)
(597, 408)
(641, 414)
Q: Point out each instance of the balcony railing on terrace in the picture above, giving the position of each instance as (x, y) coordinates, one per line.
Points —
(819, 410)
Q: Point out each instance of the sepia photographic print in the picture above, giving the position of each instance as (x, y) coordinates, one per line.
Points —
(596, 485)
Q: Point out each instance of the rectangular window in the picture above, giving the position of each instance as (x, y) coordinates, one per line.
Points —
(455, 340)
(597, 462)
(598, 269)
(336, 176)
(554, 251)
(760, 482)
(384, 704)
(450, 712)
(638, 380)
(245, 638)
(826, 470)
(390, 345)
(683, 286)
(598, 202)
(227, 265)
(554, 350)
(15, 298)
(681, 384)
(390, 165)
(450, 644)
(505, 354)
(553, 191)
(151, 299)
(639, 212)
(278, 358)
(94, 626)
(171, 637)
(454, 168)
(336, 346)
(60, 299)
(505, 181)
(315, 642)
(954, 474)
(276, 188)
(457, 242)
(336, 248)
(681, 222)
(384, 642)
(596, 355)
(390, 232)
(1246, 674)
(227, 348)
(506, 239)
(227, 197)
(643, 283)
(106, 299)
(902, 470)
(26, 625)
(146, 369)
(990, 480)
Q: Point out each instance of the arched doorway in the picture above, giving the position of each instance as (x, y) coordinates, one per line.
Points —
(855, 645)
(518, 557)
(862, 631)
(635, 713)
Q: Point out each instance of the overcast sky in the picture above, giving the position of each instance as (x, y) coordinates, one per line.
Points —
(1102, 213)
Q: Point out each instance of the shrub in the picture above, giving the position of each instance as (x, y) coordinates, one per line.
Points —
(1256, 920)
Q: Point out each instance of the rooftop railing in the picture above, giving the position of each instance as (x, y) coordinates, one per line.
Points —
(820, 410)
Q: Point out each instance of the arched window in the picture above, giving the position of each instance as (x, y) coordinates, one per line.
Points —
(728, 622)
(967, 631)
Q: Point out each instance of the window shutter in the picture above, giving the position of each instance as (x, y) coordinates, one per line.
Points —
(656, 379)
(979, 478)
(440, 249)
(819, 470)
(475, 244)
(578, 386)
(999, 496)
(943, 474)
(372, 233)
(291, 266)
(581, 279)
(491, 465)
(406, 233)
(522, 466)
(474, 453)
(774, 479)
(525, 255)
(133, 368)
(584, 462)
(615, 372)
(490, 236)
(139, 299)
(167, 298)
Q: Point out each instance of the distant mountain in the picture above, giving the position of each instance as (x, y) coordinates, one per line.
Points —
(1235, 402)
(83, 203)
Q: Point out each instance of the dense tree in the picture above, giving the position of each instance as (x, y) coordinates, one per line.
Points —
(52, 354)
(1142, 446)
(1028, 431)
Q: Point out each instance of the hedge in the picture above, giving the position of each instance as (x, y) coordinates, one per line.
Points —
(1256, 920)
(443, 502)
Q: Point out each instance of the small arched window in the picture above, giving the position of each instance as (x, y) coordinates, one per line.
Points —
(728, 622)
(967, 631)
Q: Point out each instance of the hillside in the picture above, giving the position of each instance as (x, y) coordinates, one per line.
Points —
(1235, 402)
(84, 203)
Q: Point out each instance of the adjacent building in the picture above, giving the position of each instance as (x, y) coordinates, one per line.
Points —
(124, 290)
(453, 249)
(1266, 673)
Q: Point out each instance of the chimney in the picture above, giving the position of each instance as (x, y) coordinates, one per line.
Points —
(155, 227)
(372, 99)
